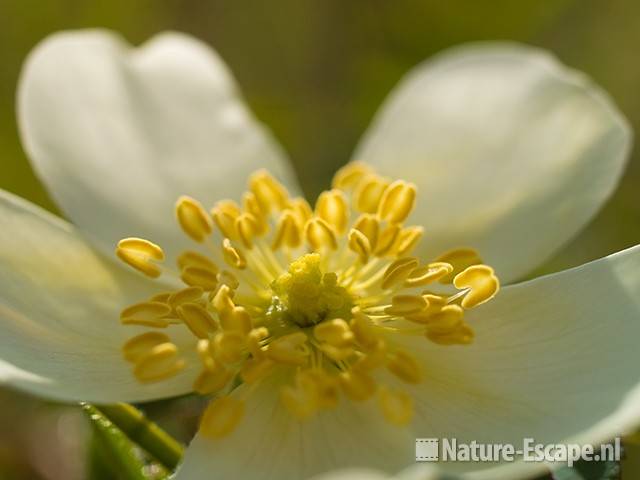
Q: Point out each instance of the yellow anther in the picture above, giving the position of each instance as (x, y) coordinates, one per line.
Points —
(237, 319)
(335, 332)
(223, 300)
(481, 282)
(254, 339)
(212, 380)
(190, 258)
(160, 363)
(288, 231)
(229, 207)
(357, 385)
(269, 193)
(225, 221)
(396, 406)
(333, 208)
(369, 226)
(387, 240)
(255, 369)
(405, 367)
(369, 193)
(324, 386)
(161, 297)
(435, 304)
(350, 175)
(200, 277)
(148, 314)
(299, 401)
(375, 357)
(364, 330)
(229, 346)
(221, 417)
(205, 351)
(398, 271)
(320, 234)
(405, 305)
(141, 255)
(186, 295)
(447, 320)
(232, 255)
(247, 228)
(426, 274)
(302, 209)
(463, 335)
(397, 201)
(460, 259)
(197, 319)
(360, 245)
(407, 240)
(338, 354)
(290, 349)
(227, 278)
(193, 218)
(251, 205)
(140, 345)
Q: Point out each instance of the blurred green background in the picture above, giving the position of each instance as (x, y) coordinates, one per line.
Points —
(315, 71)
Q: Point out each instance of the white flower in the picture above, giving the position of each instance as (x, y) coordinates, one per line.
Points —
(511, 153)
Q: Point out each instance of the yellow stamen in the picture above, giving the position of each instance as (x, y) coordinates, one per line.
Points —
(481, 281)
(141, 255)
(350, 175)
(221, 417)
(369, 226)
(359, 244)
(460, 259)
(268, 192)
(358, 385)
(233, 256)
(160, 363)
(190, 258)
(332, 207)
(149, 314)
(200, 277)
(197, 319)
(405, 367)
(290, 349)
(288, 231)
(426, 274)
(142, 344)
(320, 235)
(228, 346)
(193, 218)
(396, 406)
(398, 271)
(369, 193)
(212, 380)
(397, 201)
(405, 305)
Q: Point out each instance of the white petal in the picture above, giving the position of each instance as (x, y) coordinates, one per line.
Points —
(512, 152)
(555, 359)
(117, 134)
(60, 335)
(270, 444)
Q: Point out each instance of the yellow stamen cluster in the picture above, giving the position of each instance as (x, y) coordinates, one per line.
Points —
(318, 300)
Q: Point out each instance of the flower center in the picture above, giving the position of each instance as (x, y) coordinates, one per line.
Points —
(320, 304)
(305, 296)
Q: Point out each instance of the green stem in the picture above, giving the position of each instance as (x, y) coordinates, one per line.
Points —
(146, 434)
